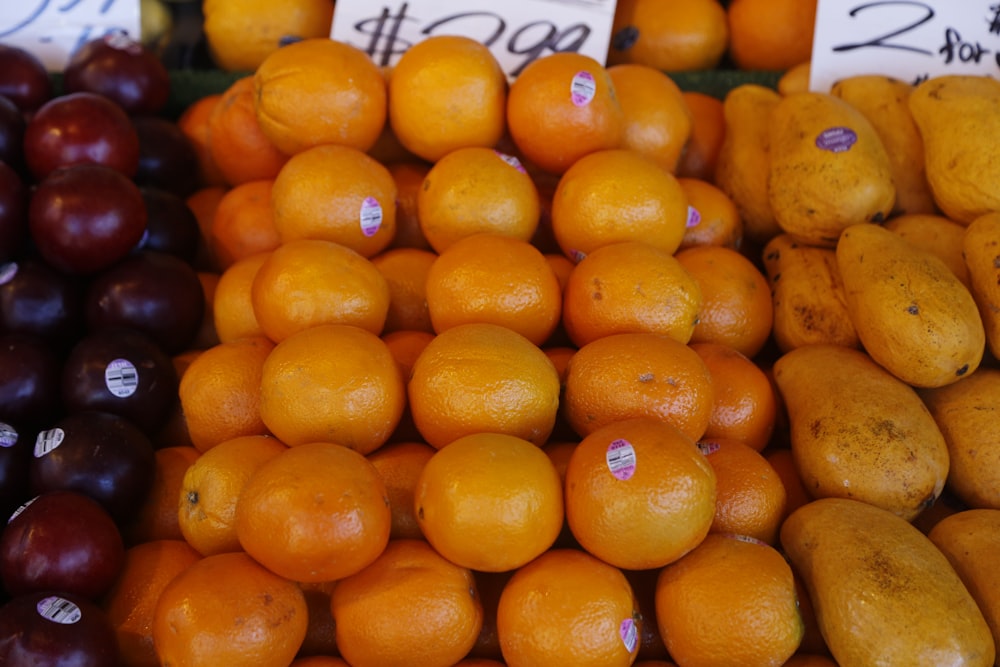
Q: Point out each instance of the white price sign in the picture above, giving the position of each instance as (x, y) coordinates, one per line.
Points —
(54, 29)
(907, 40)
(516, 31)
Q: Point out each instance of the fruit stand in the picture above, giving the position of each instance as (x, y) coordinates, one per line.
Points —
(664, 359)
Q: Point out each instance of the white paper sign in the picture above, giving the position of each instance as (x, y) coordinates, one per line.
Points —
(54, 29)
(516, 31)
(910, 41)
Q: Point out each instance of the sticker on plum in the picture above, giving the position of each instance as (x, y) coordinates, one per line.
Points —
(120, 40)
(48, 440)
(694, 217)
(512, 161)
(620, 457)
(8, 435)
(629, 633)
(16, 513)
(7, 272)
(583, 88)
(836, 139)
(59, 610)
(121, 378)
(371, 216)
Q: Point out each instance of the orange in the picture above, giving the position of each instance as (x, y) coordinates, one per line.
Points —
(320, 91)
(411, 606)
(708, 129)
(713, 218)
(409, 178)
(314, 513)
(203, 203)
(729, 601)
(744, 404)
(220, 391)
(657, 119)
(651, 647)
(489, 585)
(561, 107)
(669, 35)
(193, 123)
(737, 309)
(232, 306)
(400, 464)
(240, 34)
(495, 279)
(447, 92)
(229, 610)
(473, 190)
(617, 195)
(405, 346)
(239, 149)
(320, 640)
(750, 496)
(405, 271)
(483, 378)
(783, 463)
(309, 282)
(206, 500)
(131, 602)
(335, 193)
(489, 501)
(243, 224)
(157, 516)
(629, 375)
(568, 607)
(627, 287)
(770, 34)
(561, 265)
(332, 383)
(639, 494)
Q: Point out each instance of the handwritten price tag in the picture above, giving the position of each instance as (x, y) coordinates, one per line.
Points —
(54, 29)
(910, 41)
(516, 31)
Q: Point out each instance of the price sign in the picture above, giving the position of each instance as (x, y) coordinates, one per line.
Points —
(908, 40)
(54, 29)
(516, 31)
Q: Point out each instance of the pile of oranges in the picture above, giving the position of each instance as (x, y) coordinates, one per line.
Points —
(488, 382)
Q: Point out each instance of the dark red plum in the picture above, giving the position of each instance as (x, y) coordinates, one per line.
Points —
(56, 630)
(123, 372)
(61, 541)
(29, 380)
(152, 292)
(121, 69)
(98, 454)
(171, 225)
(80, 128)
(36, 299)
(23, 78)
(13, 212)
(167, 158)
(12, 127)
(85, 218)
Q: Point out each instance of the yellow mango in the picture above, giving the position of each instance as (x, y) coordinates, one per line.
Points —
(828, 168)
(913, 316)
(742, 165)
(981, 249)
(808, 295)
(959, 119)
(858, 432)
(883, 594)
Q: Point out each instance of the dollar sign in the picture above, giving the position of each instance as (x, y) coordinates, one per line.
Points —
(384, 29)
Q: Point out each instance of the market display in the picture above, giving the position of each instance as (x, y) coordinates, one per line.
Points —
(342, 364)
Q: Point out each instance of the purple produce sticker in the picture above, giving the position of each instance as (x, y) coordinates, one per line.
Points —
(836, 139)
